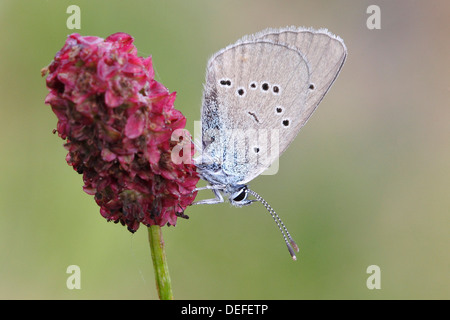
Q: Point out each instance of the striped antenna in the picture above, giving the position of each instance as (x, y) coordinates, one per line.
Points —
(290, 243)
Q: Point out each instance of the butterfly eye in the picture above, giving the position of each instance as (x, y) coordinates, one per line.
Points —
(311, 86)
(241, 195)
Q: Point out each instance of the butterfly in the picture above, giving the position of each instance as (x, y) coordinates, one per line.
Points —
(259, 93)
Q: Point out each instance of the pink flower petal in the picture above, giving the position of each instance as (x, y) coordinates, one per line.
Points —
(135, 125)
(107, 155)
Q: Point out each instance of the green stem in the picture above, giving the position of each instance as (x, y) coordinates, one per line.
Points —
(160, 267)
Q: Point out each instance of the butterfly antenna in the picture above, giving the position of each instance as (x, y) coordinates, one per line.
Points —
(291, 245)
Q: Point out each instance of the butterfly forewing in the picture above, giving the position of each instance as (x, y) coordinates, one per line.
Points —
(255, 92)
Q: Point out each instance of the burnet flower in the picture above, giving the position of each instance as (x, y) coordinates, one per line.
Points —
(119, 124)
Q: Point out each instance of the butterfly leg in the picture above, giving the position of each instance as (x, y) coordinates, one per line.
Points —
(209, 187)
(217, 199)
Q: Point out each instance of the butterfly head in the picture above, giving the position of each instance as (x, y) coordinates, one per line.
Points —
(238, 196)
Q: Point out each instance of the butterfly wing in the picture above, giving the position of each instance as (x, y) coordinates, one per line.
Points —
(254, 94)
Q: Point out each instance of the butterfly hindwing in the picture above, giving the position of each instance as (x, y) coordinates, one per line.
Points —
(325, 53)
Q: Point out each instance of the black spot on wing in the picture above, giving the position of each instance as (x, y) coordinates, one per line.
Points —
(254, 116)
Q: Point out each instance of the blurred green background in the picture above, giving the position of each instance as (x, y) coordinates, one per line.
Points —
(366, 182)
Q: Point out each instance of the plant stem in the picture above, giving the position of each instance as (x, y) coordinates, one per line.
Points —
(160, 267)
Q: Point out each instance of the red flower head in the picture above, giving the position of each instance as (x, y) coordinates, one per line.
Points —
(118, 123)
